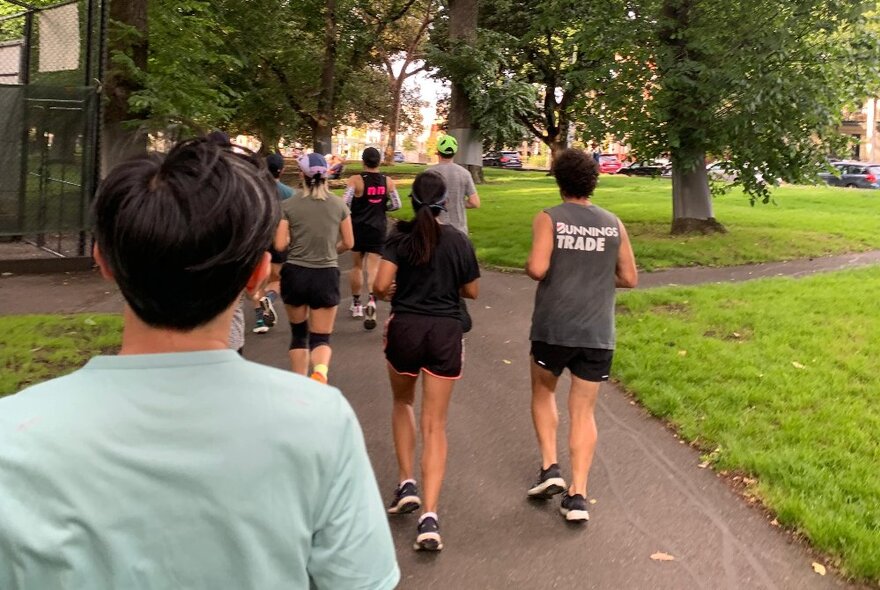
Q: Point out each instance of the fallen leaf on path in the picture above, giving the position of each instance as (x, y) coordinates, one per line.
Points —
(819, 568)
(592, 500)
(507, 362)
(7, 274)
(488, 307)
(703, 465)
(797, 365)
(774, 522)
(660, 556)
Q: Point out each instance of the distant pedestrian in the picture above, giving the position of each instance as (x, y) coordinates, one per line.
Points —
(335, 166)
(580, 253)
(315, 229)
(461, 195)
(267, 294)
(369, 195)
(427, 266)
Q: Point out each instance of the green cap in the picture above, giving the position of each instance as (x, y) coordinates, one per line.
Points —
(447, 145)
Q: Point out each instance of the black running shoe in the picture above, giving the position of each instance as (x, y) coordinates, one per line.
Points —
(574, 508)
(549, 484)
(269, 315)
(406, 499)
(428, 538)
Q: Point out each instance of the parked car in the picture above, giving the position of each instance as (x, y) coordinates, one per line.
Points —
(647, 168)
(609, 164)
(854, 175)
(502, 159)
(398, 157)
(721, 170)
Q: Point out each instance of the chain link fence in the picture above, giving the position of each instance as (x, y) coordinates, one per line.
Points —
(50, 67)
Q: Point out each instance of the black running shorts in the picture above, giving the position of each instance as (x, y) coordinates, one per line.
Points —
(368, 239)
(589, 364)
(315, 287)
(415, 343)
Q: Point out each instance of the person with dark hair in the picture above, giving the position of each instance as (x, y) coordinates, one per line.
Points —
(267, 294)
(177, 463)
(461, 194)
(369, 195)
(580, 253)
(315, 229)
(426, 266)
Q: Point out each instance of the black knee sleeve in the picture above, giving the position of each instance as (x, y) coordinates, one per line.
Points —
(316, 340)
(299, 335)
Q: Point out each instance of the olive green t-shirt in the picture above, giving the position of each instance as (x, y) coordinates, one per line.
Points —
(314, 230)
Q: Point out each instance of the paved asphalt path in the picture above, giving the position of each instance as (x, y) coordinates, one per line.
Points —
(650, 496)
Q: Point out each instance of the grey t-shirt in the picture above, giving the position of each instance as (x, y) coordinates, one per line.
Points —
(459, 186)
(574, 304)
(314, 230)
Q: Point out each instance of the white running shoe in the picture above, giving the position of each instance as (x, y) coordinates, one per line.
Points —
(357, 310)
(370, 315)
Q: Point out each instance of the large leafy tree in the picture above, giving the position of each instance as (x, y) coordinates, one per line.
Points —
(761, 83)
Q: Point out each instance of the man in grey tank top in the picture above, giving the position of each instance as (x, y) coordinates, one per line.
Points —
(580, 254)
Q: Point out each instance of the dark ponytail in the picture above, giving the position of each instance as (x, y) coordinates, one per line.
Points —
(421, 235)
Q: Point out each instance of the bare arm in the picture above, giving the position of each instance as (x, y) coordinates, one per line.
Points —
(383, 286)
(393, 197)
(626, 275)
(538, 262)
(470, 290)
(346, 234)
(472, 201)
(282, 236)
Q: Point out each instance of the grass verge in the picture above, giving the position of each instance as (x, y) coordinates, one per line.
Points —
(34, 348)
(776, 379)
(804, 222)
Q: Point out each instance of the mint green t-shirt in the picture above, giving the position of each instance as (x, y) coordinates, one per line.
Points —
(191, 470)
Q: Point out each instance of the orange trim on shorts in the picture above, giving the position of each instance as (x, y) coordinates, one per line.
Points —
(393, 368)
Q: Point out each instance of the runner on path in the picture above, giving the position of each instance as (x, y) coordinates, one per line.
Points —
(266, 296)
(267, 484)
(315, 229)
(461, 194)
(369, 195)
(580, 253)
(427, 266)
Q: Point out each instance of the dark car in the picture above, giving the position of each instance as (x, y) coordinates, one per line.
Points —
(646, 168)
(502, 159)
(854, 175)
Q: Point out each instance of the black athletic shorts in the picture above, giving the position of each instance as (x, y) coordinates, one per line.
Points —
(315, 287)
(415, 343)
(278, 257)
(589, 364)
(368, 239)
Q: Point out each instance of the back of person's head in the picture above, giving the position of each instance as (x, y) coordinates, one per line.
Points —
(371, 157)
(422, 233)
(314, 170)
(576, 173)
(182, 234)
(275, 163)
(447, 146)
(219, 137)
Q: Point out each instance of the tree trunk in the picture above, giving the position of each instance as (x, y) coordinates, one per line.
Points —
(322, 129)
(393, 121)
(463, 26)
(122, 138)
(691, 198)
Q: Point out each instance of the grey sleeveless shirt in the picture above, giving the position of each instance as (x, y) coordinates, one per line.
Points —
(574, 304)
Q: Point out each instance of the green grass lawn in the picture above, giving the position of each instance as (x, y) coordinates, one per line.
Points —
(805, 221)
(776, 379)
(34, 348)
